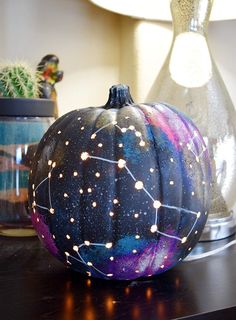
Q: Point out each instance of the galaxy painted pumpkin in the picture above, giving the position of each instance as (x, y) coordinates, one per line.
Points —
(120, 191)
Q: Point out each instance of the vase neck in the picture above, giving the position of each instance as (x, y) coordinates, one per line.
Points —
(191, 15)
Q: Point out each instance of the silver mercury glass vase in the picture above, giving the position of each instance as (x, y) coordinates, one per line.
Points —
(190, 80)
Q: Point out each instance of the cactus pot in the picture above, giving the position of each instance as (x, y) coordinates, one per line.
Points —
(22, 124)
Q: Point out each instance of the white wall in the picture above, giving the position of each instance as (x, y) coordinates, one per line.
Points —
(85, 38)
(97, 48)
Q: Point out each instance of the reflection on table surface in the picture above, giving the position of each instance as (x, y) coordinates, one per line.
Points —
(34, 285)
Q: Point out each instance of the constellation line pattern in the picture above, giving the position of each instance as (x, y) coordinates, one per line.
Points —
(138, 185)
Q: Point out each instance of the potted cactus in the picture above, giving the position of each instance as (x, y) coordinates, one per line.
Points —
(24, 118)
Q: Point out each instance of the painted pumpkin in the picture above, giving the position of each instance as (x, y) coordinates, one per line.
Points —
(120, 191)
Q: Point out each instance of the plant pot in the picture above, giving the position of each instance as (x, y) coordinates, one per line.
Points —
(22, 124)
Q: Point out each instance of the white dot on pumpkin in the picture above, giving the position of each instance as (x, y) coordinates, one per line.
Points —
(111, 258)
(111, 214)
(68, 236)
(134, 251)
(142, 143)
(153, 228)
(67, 253)
(54, 164)
(121, 163)
(81, 191)
(82, 128)
(97, 174)
(137, 236)
(59, 132)
(66, 143)
(139, 185)
(171, 183)
(151, 170)
(75, 173)
(60, 175)
(89, 190)
(72, 220)
(184, 239)
(162, 266)
(87, 243)
(108, 245)
(53, 236)
(189, 249)
(156, 204)
(51, 210)
(93, 136)
(110, 275)
(76, 248)
(49, 162)
(120, 145)
(84, 155)
(115, 201)
(171, 160)
(94, 204)
(79, 118)
(136, 215)
(66, 195)
(138, 134)
(42, 236)
(100, 145)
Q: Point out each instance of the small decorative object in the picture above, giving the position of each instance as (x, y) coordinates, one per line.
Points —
(120, 191)
(23, 121)
(48, 68)
(190, 80)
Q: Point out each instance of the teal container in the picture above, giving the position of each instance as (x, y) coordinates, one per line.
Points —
(23, 122)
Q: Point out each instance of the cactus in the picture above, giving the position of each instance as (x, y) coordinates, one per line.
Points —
(18, 80)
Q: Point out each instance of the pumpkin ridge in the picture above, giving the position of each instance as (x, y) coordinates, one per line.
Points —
(178, 153)
(83, 167)
(185, 130)
(139, 107)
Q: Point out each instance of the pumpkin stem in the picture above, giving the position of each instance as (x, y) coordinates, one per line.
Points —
(119, 97)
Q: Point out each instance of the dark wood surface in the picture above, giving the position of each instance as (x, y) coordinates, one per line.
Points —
(34, 285)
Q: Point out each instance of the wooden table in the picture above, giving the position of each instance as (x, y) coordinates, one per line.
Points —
(34, 285)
